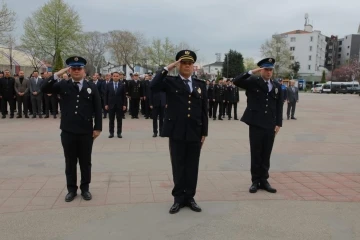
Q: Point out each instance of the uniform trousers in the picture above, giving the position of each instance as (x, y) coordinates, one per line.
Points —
(158, 112)
(51, 101)
(118, 113)
(221, 105)
(211, 108)
(22, 101)
(134, 104)
(185, 157)
(224, 109)
(229, 108)
(261, 144)
(77, 148)
(147, 107)
(291, 107)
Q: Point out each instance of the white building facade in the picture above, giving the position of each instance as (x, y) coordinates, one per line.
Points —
(213, 69)
(349, 48)
(308, 47)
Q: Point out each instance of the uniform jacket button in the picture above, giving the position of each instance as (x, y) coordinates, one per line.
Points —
(188, 115)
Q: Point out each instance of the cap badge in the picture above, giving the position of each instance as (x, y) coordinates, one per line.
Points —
(76, 59)
(270, 60)
(187, 52)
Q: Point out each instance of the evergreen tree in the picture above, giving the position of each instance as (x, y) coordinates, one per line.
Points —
(233, 64)
(323, 78)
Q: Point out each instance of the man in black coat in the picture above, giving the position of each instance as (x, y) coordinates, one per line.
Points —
(186, 125)
(263, 114)
(7, 94)
(210, 91)
(146, 94)
(157, 105)
(218, 99)
(136, 93)
(115, 103)
(232, 99)
(80, 101)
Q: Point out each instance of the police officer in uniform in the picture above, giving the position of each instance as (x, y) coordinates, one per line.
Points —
(80, 101)
(263, 114)
(218, 99)
(232, 98)
(135, 93)
(186, 125)
(210, 91)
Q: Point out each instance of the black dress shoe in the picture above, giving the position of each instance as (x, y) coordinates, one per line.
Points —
(3, 117)
(267, 187)
(111, 135)
(40, 116)
(70, 196)
(288, 118)
(11, 116)
(34, 116)
(26, 116)
(193, 206)
(119, 135)
(47, 116)
(293, 118)
(155, 135)
(86, 196)
(175, 208)
(55, 117)
(214, 119)
(221, 119)
(19, 116)
(254, 187)
(236, 119)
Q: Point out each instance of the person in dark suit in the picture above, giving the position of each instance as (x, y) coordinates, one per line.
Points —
(80, 101)
(115, 103)
(146, 94)
(103, 90)
(232, 99)
(135, 93)
(7, 94)
(263, 114)
(22, 92)
(36, 94)
(292, 99)
(218, 99)
(284, 91)
(157, 104)
(186, 125)
(210, 91)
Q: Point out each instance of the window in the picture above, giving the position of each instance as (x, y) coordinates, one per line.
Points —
(292, 58)
(339, 55)
(292, 48)
(310, 48)
(347, 54)
(340, 43)
(348, 46)
(310, 58)
(309, 67)
(339, 49)
(311, 39)
(293, 39)
(330, 47)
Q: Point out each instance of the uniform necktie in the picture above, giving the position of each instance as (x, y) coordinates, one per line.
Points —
(268, 85)
(116, 86)
(186, 81)
(77, 85)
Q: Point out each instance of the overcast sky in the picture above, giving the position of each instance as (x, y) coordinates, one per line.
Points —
(212, 26)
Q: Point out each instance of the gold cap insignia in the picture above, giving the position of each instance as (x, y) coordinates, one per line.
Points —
(76, 59)
(187, 52)
(270, 60)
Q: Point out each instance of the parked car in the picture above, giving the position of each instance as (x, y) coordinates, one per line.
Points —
(353, 90)
(317, 88)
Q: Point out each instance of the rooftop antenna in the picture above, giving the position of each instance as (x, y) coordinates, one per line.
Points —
(306, 18)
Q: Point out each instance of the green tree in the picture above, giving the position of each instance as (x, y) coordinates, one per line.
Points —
(233, 64)
(249, 64)
(160, 53)
(58, 63)
(323, 77)
(279, 49)
(55, 27)
(7, 21)
(295, 67)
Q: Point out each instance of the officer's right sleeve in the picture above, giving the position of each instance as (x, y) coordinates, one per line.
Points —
(158, 83)
(243, 80)
(51, 85)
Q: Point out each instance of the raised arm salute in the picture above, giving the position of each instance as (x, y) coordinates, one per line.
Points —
(263, 114)
(80, 101)
(186, 125)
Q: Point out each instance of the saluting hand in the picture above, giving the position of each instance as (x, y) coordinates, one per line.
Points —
(62, 71)
(171, 66)
(256, 70)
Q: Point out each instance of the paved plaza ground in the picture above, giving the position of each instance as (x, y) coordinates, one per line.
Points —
(315, 167)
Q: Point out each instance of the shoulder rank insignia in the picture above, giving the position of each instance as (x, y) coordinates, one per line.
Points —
(89, 90)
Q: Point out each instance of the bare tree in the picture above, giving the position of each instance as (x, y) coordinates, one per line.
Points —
(279, 49)
(126, 47)
(93, 48)
(7, 21)
(10, 43)
(160, 53)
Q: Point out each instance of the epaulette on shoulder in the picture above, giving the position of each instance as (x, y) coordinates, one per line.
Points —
(200, 80)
